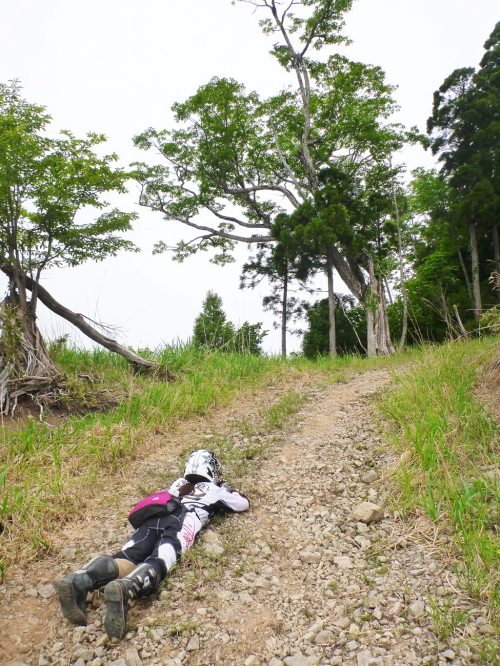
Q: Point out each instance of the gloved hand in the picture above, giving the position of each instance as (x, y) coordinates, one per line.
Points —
(226, 486)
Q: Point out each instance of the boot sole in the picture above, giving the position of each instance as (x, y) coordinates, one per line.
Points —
(67, 598)
(115, 620)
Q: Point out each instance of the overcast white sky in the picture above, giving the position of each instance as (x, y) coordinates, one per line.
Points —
(117, 66)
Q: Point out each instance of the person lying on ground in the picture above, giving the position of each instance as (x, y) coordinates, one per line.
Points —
(166, 526)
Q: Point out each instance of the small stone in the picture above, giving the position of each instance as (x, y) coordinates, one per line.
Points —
(371, 601)
(487, 629)
(251, 660)
(225, 595)
(132, 657)
(31, 592)
(79, 662)
(417, 609)
(364, 658)
(343, 623)
(367, 512)
(118, 662)
(225, 638)
(310, 558)
(263, 582)
(362, 541)
(209, 536)
(245, 597)
(42, 661)
(316, 627)
(194, 643)
(296, 564)
(47, 591)
(299, 659)
(57, 647)
(396, 609)
(82, 653)
(369, 477)
(68, 553)
(275, 662)
(324, 637)
(354, 588)
(448, 654)
(343, 562)
(214, 549)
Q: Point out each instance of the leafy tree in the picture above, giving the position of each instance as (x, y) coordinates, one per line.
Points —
(464, 133)
(247, 339)
(44, 183)
(355, 212)
(243, 161)
(350, 327)
(280, 267)
(440, 281)
(212, 330)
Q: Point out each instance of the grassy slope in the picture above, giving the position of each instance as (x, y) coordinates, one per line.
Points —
(450, 469)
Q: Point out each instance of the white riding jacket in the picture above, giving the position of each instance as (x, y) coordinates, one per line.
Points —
(206, 499)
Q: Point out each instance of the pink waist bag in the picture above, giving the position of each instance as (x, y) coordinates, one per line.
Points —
(159, 504)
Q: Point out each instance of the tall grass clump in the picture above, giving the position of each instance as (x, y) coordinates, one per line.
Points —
(450, 446)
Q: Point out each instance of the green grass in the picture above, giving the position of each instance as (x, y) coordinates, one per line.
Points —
(450, 446)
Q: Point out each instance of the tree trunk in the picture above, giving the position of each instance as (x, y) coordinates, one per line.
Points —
(80, 322)
(459, 322)
(378, 335)
(37, 360)
(476, 287)
(332, 346)
(371, 297)
(284, 313)
(25, 365)
(404, 295)
(462, 262)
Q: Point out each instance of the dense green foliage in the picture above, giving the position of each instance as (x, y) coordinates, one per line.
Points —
(44, 185)
(44, 182)
(456, 233)
(350, 323)
(213, 331)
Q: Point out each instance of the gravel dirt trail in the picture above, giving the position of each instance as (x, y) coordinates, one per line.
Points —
(296, 581)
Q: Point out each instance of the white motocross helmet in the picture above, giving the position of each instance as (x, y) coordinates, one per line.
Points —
(203, 463)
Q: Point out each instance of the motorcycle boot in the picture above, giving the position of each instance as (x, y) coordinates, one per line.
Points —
(143, 580)
(72, 589)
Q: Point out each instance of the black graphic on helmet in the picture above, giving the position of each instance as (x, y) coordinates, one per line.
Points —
(203, 463)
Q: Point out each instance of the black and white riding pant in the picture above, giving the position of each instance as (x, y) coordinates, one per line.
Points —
(161, 540)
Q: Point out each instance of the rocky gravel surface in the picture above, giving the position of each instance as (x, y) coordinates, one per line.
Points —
(321, 570)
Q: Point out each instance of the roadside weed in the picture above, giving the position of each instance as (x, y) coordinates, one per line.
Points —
(449, 444)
